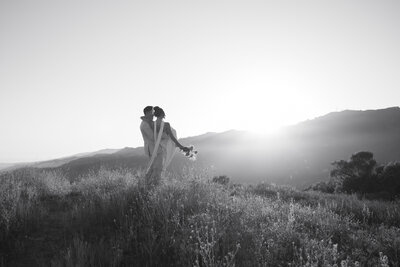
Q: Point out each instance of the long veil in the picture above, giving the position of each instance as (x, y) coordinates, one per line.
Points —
(170, 149)
(157, 140)
(169, 145)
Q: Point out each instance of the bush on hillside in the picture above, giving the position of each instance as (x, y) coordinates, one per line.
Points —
(362, 175)
(223, 179)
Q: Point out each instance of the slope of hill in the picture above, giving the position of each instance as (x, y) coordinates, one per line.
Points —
(102, 151)
(110, 219)
(338, 135)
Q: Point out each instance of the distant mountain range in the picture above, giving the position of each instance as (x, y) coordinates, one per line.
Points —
(299, 155)
(6, 165)
(54, 162)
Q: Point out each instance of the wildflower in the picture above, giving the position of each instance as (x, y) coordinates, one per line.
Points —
(335, 248)
(383, 259)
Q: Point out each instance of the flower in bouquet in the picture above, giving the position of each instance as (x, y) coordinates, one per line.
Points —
(190, 152)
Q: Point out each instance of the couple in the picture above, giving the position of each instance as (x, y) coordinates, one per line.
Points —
(160, 143)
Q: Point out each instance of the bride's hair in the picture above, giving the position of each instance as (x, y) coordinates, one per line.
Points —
(159, 112)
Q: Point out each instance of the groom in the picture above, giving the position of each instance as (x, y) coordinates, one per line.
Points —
(147, 131)
(152, 176)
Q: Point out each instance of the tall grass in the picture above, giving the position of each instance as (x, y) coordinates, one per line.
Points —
(110, 218)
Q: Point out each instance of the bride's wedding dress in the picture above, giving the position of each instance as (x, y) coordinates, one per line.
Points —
(163, 153)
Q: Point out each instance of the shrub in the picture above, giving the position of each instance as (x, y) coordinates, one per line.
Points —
(224, 180)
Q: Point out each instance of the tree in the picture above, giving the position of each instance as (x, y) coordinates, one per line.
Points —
(356, 174)
(389, 179)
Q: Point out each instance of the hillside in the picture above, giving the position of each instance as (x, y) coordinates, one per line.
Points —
(110, 219)
(302, 154)
(337, 135)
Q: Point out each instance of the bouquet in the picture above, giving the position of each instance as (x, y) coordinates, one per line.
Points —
(190, 152)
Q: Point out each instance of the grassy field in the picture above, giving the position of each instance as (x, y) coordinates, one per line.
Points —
(110, 219)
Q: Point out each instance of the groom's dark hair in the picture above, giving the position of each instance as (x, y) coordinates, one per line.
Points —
(147, 109)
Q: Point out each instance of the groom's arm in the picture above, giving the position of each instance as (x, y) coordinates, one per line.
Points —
(147, 132)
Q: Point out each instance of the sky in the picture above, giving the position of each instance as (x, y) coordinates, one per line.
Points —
(75, 75)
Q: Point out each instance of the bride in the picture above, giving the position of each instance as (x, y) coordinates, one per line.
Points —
(164, 148)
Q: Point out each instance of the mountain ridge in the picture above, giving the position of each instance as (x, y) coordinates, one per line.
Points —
(300, 155)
